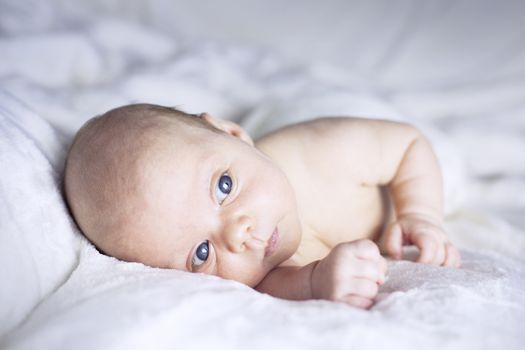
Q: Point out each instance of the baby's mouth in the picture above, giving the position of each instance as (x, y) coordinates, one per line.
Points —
(271, 244)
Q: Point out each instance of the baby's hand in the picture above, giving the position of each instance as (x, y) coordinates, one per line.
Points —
(428, 236)
(351, 273)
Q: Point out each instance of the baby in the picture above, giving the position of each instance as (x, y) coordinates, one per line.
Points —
(294, 214)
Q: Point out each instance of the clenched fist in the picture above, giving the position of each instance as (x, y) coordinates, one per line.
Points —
(351, 273)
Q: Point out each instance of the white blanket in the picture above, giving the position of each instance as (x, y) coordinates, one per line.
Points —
(57, 291)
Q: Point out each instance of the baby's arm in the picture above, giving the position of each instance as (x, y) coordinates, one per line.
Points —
(415, 184)
(396, 155)
(350, 273)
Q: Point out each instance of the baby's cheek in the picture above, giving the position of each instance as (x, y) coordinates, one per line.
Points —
(246, 274)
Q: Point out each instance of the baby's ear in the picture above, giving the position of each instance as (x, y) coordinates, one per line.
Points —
(228, 127)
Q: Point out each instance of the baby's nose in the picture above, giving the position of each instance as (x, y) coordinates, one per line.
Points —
(238, 233)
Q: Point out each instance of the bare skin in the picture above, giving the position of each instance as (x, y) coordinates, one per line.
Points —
(340, 200)
(295, 214)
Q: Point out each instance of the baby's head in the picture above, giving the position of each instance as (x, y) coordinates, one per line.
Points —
(155, 185)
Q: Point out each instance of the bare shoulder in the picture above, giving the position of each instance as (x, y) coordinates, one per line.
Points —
(332, 131)
(358, 147)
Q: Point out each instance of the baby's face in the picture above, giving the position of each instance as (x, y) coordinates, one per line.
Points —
(217, 205)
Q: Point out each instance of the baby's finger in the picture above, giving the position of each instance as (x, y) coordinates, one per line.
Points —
(440, 254)
(382, 271)
(366, 249)
(452, 258)
(363, 287)
(427, 248)
(392, 241)
(367, 269)
(357, 301)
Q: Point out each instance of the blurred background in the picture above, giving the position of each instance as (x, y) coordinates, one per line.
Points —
(383, 42)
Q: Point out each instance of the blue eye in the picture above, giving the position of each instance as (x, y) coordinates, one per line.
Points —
(224, 187)
(201, 254)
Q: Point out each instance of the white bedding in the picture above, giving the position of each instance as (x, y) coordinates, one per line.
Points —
(57, 291)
